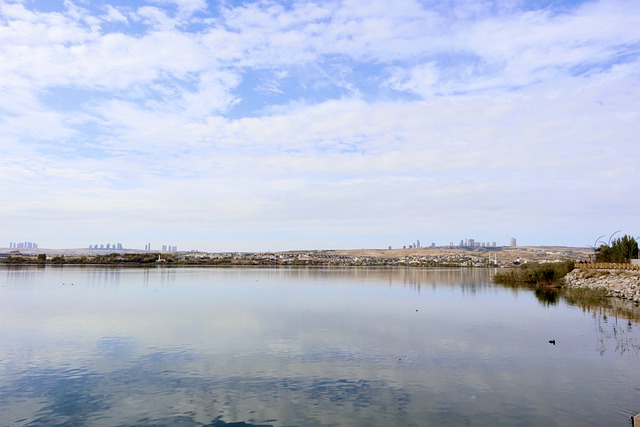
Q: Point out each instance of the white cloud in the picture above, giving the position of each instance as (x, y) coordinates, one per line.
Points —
(319, 116)
(538, 46)
(156, 18)
(115, 15)
(421, 80)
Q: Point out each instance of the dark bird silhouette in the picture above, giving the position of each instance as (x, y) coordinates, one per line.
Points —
(552, 342)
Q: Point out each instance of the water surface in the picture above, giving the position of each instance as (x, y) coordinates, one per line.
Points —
(305, 347)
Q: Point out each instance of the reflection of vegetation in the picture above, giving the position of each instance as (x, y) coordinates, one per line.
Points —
(547, 295)
(593, 300)
(584, 297)
(596, 301)
(535, 274)
(617, 332)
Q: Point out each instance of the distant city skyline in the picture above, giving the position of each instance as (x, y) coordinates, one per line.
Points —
(468, 243)
(106, 246)
(463, 243)
(334, 124)
(23, 245)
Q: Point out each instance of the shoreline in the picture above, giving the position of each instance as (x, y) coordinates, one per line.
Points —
(616, 283)
(506, 256)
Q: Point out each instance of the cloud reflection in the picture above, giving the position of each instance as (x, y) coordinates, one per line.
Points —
(163, 388)
(303, 347)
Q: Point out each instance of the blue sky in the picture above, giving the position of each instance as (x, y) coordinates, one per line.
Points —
(274, 125)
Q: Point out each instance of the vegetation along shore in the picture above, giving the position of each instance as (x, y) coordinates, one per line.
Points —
(613, 272)
(416, 257)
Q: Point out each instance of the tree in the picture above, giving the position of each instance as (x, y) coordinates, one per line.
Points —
(622, 250)
(58, 259)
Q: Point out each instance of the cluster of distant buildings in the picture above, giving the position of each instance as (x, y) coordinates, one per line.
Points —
(102, 246)
(464, 243)
(23, 245)
(165, 248)
(118, 246)
(412, 245)
(471, 243)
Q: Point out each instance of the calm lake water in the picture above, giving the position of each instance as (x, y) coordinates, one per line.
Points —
(305, 347)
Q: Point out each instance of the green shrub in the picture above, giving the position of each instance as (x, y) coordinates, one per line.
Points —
(535, 274)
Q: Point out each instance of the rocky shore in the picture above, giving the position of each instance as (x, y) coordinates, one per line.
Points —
(618, 283)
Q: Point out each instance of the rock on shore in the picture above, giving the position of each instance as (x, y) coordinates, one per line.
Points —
(617, 283)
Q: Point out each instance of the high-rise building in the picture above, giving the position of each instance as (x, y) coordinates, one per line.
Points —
(23, 245)
(103, 246)
(512, 241)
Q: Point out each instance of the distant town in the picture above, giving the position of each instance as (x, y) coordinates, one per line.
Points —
(468, 253)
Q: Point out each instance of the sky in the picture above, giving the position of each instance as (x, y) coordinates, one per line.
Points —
(221, 125)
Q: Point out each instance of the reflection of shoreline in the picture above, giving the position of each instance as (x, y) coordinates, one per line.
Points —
(611, 307)
(469, 280)
(110, 275)
(590, 302)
